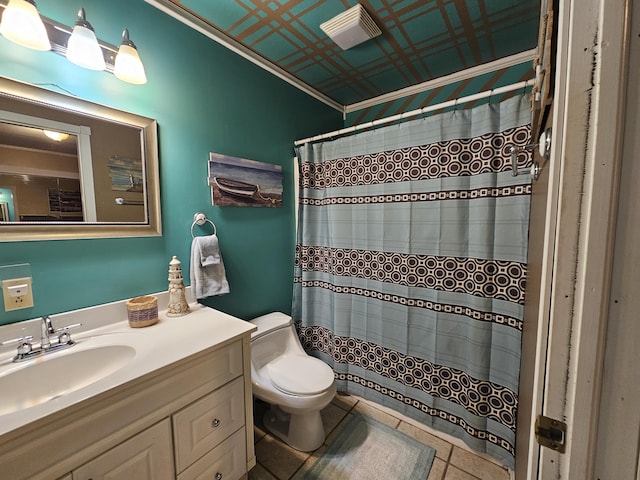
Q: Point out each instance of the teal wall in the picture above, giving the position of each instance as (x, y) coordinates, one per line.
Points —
(205, 99)
(6, 196)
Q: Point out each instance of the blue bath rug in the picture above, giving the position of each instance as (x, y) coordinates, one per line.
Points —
(366, 448)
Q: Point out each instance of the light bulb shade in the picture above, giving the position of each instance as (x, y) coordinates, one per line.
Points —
(82, 46)
(83, 49)
(128, 67)
(21, 23)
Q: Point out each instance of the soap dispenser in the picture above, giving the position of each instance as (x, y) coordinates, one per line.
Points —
(178, 305)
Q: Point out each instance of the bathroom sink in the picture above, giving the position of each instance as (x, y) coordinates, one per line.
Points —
(47, 377)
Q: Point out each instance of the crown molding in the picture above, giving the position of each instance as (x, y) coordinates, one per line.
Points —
(505, 62)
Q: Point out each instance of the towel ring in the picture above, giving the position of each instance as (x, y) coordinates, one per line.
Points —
(201, 219)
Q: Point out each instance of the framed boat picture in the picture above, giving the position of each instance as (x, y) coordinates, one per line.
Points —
(244, 183)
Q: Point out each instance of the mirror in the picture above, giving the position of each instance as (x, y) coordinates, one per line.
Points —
(70, 168)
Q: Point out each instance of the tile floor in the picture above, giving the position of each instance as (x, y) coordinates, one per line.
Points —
(278, 461)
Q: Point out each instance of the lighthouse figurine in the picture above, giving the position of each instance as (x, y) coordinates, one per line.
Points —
(178, 305)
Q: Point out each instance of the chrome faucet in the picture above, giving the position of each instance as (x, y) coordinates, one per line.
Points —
(27, 350)
(46, 331)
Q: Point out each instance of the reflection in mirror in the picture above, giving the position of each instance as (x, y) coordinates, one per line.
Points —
(74, 169)
(39, 164)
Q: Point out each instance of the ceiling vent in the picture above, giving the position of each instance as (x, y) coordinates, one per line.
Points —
(351, 28)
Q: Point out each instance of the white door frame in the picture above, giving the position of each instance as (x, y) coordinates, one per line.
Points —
(588, 112)
(618, 444)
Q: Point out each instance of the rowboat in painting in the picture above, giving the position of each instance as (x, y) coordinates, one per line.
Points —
(236, 187)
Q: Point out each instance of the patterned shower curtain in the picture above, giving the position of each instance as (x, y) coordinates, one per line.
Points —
(411, 266)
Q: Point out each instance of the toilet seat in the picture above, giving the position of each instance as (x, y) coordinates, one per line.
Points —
(300, 375)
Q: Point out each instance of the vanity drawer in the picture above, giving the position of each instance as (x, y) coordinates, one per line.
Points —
(225, 462)
(225, 365)
(207, 422)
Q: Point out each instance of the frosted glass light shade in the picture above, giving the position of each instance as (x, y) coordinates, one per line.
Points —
(21, 23)
(57, 136)
(128, 67)
(82, 47)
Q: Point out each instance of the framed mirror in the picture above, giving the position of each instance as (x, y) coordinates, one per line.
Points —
(70, 168)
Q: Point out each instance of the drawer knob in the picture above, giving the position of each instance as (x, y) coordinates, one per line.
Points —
(218, 476)
(216, 424)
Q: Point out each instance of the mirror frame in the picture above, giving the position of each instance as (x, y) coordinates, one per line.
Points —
(19, 232)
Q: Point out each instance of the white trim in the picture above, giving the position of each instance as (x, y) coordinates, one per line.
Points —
(39, 172)
(472, 72)
(592, 35)
(44, 123)
(28, 149)
(86, 175)
(419, 111)
(194, 22)
(558, 122)
(596, 240)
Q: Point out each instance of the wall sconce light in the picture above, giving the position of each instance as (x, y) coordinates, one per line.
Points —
(80, 44)
(128, 66)
(21, 23)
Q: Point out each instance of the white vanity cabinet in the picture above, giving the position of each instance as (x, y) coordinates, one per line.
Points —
(190, 419)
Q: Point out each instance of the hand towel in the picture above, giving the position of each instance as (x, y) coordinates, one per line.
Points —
(209, 250)
(208, 277)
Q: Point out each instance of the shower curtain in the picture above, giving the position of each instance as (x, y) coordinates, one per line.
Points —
(411, 263)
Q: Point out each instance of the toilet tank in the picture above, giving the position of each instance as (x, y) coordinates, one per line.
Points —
(269, 323)
(274, 337)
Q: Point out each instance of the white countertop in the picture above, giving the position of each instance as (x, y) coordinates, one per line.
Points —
(168, 341)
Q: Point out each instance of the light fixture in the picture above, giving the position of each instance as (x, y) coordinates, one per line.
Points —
(80, 44)
(21, 23)
(83, 48)
(351, 28)
(57, 136)
(128, 66)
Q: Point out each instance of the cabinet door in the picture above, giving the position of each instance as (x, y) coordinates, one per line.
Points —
(147, 456)
(207, 422)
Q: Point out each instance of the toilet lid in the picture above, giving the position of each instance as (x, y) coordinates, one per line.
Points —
(300, 375)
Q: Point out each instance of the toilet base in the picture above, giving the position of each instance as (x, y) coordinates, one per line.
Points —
(303, 432)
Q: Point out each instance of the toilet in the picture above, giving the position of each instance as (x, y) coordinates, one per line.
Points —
(296, 385)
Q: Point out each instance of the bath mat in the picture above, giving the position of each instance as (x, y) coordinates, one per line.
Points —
(366, 448)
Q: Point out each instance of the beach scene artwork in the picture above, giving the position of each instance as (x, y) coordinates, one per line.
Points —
(126, 174)
(244, 183)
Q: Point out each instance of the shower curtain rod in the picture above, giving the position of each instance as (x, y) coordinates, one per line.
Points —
(449, 103)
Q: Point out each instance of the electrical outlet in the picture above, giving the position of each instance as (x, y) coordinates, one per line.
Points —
(17, 293)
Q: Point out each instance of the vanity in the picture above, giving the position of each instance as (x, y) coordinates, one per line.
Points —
(169, 401)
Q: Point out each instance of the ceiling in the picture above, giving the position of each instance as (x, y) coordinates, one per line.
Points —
(20, 136)
(421, 40)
